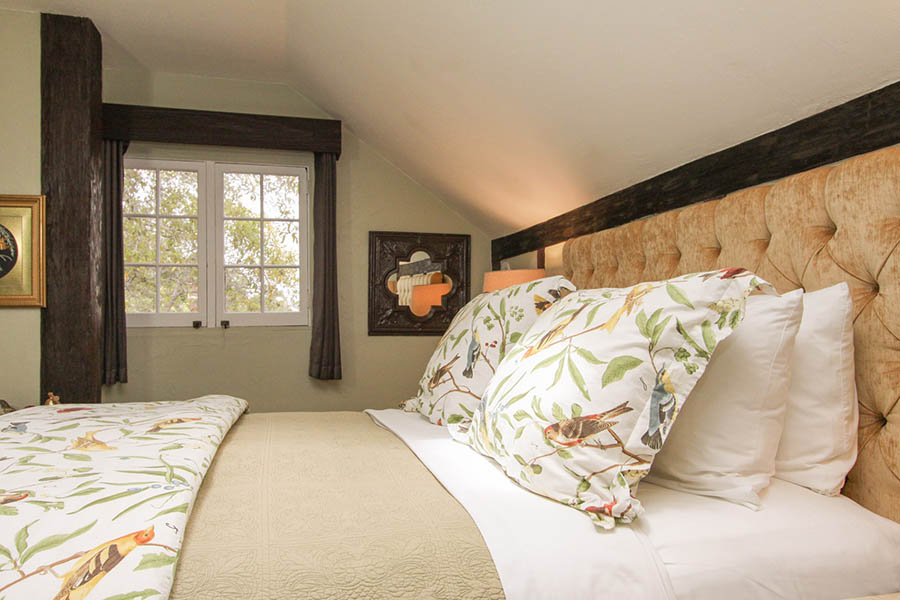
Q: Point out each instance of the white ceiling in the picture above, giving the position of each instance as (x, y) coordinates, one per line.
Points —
(518, 110)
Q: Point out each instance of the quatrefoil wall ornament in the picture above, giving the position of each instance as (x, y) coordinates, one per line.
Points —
(417, 281)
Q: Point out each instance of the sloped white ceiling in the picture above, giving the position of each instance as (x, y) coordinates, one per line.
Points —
(518, 110)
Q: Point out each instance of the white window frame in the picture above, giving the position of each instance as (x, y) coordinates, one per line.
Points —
(211, 254)
(176, 319)
(300, 317)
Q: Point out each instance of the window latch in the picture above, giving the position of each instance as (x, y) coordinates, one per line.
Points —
(225, 324)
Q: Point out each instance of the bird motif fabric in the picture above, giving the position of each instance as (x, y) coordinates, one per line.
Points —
(94, 498)
(541, 304)
(441, 372)
(662, 411)
(472, 355)
(578, 430)
(478, 339)
(95, 564)
(582, 403)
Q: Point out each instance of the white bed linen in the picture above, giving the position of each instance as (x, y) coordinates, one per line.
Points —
(532, 539)
(798, 545)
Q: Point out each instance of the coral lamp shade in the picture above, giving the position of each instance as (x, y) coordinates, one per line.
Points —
(497, 280)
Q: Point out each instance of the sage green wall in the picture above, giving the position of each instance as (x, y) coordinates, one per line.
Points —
(20, 173)
(268, 366)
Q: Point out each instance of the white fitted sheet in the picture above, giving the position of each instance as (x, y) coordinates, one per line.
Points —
(799, 544)
(542, 550)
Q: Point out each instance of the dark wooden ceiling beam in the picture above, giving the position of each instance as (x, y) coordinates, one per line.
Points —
(861, 125)
(211, 128)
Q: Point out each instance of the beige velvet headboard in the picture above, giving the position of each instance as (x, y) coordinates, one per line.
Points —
(811, 230)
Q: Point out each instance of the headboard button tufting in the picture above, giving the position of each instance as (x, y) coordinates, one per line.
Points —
(860, 198)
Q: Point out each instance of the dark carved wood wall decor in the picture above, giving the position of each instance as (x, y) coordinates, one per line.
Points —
(71, 107)
(861, 125)
(386, 250)
(204, 127)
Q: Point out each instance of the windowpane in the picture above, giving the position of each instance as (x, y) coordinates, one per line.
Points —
(242, 243)
(282, 245)
(242, 195)
(258, 252)
(140, 289)
(242, 290)
(139, 234)
(281, 196)
(179, 289)
(282, 290)
(178, 241)
(139, 194)
(178, 192)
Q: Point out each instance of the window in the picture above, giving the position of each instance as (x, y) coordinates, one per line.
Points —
(209, 242)
(164, 242)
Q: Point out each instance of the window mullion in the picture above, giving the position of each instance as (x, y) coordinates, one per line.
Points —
(215, 247)
(262, 245)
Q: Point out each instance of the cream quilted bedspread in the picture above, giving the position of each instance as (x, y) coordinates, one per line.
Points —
(327, 505)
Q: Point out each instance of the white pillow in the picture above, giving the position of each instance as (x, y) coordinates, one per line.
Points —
(818, 446)
(724, 443)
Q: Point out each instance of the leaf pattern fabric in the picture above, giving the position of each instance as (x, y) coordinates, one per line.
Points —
(586, 398)
(478, 338)
(98, 495)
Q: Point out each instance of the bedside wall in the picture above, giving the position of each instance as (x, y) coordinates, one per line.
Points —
(268, 366)
(20, 173)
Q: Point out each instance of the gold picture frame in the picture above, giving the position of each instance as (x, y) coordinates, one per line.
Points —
(22, 243)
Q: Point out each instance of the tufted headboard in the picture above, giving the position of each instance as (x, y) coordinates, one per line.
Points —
(811, 230)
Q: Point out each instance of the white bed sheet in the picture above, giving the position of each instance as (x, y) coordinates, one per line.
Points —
(798, 545)
(542, 550)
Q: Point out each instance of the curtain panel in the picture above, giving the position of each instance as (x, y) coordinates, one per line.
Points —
(115, 364)
(325, 349)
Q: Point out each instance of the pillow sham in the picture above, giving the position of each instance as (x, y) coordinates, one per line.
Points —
(476, 341)
(725, 441)
(818, 445)
(578, 409)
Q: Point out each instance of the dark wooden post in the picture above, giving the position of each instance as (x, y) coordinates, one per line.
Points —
(71, 113)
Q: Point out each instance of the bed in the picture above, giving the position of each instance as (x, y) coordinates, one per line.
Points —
(394, 531)
(837, 223)
(385, 505)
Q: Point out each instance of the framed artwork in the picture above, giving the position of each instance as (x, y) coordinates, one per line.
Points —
(22, 244)
(417, 281)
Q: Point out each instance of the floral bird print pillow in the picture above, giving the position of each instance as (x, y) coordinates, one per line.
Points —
(586, 398)
(477, 340)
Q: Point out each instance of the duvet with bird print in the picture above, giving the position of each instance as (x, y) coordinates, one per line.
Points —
(586, 398)
(94, 498)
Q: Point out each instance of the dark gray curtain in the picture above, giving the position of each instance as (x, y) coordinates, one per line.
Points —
(325, 349)
(115, 364)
